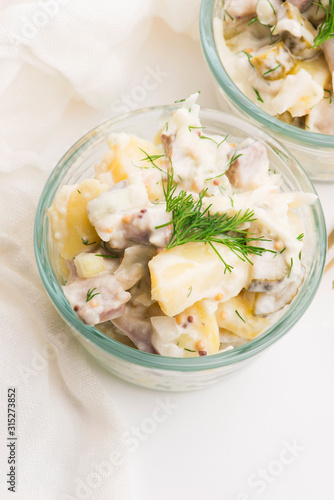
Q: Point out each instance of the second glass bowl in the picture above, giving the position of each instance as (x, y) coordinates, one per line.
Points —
(315, 152)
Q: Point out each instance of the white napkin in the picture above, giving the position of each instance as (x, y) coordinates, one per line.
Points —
(69, 432)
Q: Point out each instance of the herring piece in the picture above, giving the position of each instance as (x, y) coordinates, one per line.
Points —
(135, 323)
(269, 303)
(321, 117)
(316, 14)
(273, 61)
(301, 5)
(120, 199)
(240, 8)
(297, 33)
(250, 170)
(134, 265)
(142, 226)
(268, 270)
(124, 215)
(97, 299)
(328, 48)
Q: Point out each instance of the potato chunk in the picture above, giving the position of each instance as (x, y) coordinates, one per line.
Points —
(88, 265)
(191, 272)
(236, 316)
(70, 226)
(190, 332)
(126, 155)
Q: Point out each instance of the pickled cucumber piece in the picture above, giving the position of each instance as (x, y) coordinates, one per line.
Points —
(297, 33)
(269, 303)
(273, 62)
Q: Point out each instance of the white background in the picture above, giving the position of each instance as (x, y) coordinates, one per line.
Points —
(216, 440)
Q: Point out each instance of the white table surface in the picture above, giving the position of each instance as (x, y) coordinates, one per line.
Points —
(227, 442)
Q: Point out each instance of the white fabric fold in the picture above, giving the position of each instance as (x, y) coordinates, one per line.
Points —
(52, 52)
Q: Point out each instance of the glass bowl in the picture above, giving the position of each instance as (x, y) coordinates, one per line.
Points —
(150, 370)
(314, 151)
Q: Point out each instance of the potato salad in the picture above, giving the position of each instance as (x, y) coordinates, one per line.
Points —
(184, 247)
(281, 56)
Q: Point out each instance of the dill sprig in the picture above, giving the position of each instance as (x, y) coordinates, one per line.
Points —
(191, 222)
(238, 314)
(107, 256)
(326, 29)
(211, 139)
(91, 294)
(86, 242)
(232, 160)
(258, 97)
(271, 70)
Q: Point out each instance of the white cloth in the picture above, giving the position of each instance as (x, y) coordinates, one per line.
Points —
(51, 52)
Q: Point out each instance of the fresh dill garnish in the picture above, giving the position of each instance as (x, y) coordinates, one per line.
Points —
(190, 290)
(330, 95)
(86, 242)
(229, 15)
(79, 191)
(249, 57)
(106, 256)
(300, 237)
(272, 33)
(252, 21)
(193, 223)
(326, 29)
(190, 127)
(210, 139)
(300, 255)
(232, 202)
(291, 265)
(238, 314)
(180, 100)
(283, 250)
(258, 97)
(189, 350)
(232, 160)
(151, 158)
(114, 255)
(274, 11)
(91, 294)
(271, 70)
(166, 126)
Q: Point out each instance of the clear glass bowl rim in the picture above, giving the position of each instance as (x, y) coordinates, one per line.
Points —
(130, 354)
(304, 137)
